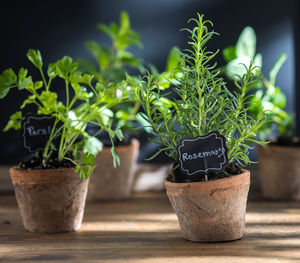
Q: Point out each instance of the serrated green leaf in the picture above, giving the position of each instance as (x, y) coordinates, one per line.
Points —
(23, 83)
(49, 100)
(3, 92)
(22, 73)
(66, 67)
(35, 58)
(8, 78)
(14, 122)
(85, 167)
(92, 146)
(52, 70)
(88, 159)
(29, 100)
(38, 85)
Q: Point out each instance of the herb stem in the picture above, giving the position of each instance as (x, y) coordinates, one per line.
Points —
(44, 79)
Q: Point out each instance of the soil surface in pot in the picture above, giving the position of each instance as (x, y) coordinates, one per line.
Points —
(178, 177)
(39, 163)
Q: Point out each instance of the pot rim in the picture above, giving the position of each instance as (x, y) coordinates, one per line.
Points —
(245, 173)
(133, 141)
(15, 168)
(43, 176)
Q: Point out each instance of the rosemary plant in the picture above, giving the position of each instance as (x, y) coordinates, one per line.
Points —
(70, 118)
(202, 102)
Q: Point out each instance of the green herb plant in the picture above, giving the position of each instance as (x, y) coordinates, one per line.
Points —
(202, 102)
(112, 63)
(272, 98)
(71, 116)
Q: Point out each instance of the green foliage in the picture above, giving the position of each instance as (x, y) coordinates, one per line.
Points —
(112, 64)
(70, 121)
(202, 103)
(271, 97)
(242, 54)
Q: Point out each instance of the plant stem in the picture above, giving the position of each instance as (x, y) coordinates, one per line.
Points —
(44, 79)
(46, 149)
(67, 93)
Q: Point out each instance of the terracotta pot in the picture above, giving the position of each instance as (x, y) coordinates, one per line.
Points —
(279, 172)
(109, 183)
(50, 201)
(211, 211)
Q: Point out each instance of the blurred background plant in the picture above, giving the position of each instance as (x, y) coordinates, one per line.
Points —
(110, 70)
(112, 64)
(279, 122)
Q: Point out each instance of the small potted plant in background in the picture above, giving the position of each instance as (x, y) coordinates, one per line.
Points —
(279, 162)
(51, 187)
(205, 128)
(110, 72)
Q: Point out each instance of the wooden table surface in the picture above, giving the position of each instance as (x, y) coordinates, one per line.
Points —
(145, 229)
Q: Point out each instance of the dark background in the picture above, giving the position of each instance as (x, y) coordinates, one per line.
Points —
(59, 28)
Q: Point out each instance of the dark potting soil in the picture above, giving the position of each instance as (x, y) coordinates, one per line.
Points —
(39, 163)
(286, 141)
(178, 177)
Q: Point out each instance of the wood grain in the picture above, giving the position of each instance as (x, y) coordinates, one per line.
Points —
(145, 229)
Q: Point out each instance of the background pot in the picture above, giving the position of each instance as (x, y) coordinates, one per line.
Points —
(211, 211)
(109, 183)
(279, 171)
(50, 201)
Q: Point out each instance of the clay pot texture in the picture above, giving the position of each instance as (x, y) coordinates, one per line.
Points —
(50, 201)
(109, 183)
(211, 211)
(279, 172)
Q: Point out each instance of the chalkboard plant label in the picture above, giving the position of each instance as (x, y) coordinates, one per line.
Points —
(36, 131)
(203, 154)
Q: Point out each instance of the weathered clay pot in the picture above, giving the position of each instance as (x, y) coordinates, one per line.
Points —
(50, 201)
(109, 183)
(211, 211)
(279, 172)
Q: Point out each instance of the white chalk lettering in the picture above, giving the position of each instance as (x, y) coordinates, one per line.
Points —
(184, 157)
(32, 131)
(217, 152)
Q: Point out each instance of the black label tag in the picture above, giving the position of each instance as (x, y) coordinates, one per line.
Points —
(36, 131)
(203, 154)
